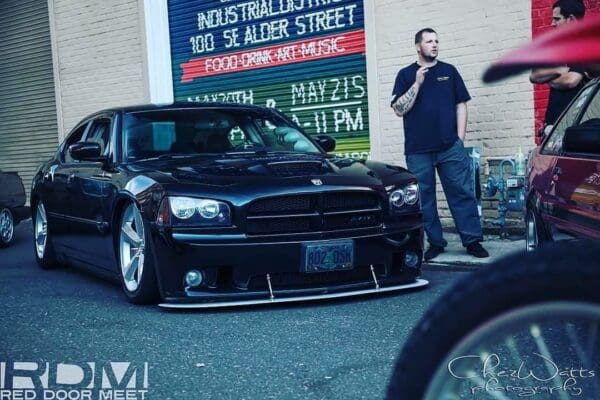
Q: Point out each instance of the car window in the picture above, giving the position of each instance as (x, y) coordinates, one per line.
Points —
(592, 113)
(75, 136)
(150, 134)
(99, 132)
(554, 143)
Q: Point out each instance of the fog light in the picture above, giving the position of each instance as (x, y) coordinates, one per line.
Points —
(411, 259)
(193, 278)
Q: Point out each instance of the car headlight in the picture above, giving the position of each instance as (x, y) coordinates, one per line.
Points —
(404, 196)
(411, 194)
(189, 211)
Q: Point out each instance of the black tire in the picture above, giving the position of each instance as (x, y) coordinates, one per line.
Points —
(145, 288)
(536, 233)
(564, 271)
(7, 227)
(45, 257)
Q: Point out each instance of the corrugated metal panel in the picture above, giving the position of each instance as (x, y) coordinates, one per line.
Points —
(28, 127)
(304, 57)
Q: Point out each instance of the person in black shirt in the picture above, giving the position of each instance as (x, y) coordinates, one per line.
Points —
(431, 97)
(565, 81)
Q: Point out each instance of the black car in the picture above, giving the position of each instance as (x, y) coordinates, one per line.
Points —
(220, 204)
(12, 205)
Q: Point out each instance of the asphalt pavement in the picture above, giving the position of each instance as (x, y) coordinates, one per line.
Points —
(341, 349)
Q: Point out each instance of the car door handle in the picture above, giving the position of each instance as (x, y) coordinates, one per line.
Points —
(556, 173)
(70, 178)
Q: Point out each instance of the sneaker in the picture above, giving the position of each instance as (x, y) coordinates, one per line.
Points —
(476, 250)
(432, 252)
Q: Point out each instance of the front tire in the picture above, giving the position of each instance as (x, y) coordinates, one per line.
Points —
(137, 272)
(530, 296)
(7, 227)
(42, 242)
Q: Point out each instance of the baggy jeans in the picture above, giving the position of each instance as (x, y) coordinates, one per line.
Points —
(454, 170)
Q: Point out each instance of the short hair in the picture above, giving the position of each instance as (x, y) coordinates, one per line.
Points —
(419, 35)
(575, 8)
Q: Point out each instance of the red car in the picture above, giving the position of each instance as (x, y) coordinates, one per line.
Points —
(563, 173)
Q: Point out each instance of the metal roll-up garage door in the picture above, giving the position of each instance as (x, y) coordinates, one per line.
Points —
(28, 127)
(306, 58)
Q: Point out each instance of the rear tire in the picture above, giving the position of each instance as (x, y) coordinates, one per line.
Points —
(7, 227)
(136, 267)
(536, 234)
(42, 241)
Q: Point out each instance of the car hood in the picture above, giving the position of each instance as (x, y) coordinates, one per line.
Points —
(261, 169)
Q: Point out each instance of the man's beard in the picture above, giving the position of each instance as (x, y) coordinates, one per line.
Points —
(428, 58)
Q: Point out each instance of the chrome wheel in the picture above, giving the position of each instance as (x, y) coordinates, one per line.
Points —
(524, 340)
(531, 238)
(131, 248)
(7, 226)
(40, 230)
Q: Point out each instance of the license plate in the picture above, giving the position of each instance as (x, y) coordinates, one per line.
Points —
(327, 256)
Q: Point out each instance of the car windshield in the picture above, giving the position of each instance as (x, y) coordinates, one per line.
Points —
(189, 132)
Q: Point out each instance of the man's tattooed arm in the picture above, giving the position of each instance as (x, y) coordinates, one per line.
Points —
(406, 101)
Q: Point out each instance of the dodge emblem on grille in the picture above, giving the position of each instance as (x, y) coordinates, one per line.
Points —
(317, 182)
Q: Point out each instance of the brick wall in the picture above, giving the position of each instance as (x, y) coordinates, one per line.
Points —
(541, 19)
(98, 56)
(472, 35)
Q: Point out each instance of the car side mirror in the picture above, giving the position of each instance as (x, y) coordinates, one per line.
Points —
(327, 143)
(584, 138)
(86, 151)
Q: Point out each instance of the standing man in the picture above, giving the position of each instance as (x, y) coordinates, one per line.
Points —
(431, 97)
(565, 82)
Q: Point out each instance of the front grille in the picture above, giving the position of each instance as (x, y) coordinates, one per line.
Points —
(283, 204)
(340, 201)
(355, 220)
(278, 225)
(306, 213)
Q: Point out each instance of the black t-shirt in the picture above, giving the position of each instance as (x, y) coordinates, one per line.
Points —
(560, 99)
(431, 123)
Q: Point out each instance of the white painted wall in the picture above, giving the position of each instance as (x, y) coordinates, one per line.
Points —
(98, 56)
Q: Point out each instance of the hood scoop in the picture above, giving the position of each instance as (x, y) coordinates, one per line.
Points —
(298, 167)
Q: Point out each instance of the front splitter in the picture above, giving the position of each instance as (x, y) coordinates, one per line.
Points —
(277, 300)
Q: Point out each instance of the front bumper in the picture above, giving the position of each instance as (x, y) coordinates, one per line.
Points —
(418, 283)
(240, 270)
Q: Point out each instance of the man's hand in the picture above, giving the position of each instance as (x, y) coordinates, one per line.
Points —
(567, 81)
(420, 77)
(545, 75)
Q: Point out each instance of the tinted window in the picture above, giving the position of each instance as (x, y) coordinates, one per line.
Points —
(592, 113)
(180, 132)
(555, 141)
(99, 132)
(74, 137)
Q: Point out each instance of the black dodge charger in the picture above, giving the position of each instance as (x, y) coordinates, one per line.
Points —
(219, 204)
